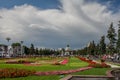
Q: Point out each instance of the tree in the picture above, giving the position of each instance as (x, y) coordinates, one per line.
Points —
(8, 39)
(21, 47)
(16, 44)
(36, 51)
(112, 38)
(97, 49)
(102, 45)
(26, 50)
(91, 48)
(118, 41)
(32, 50)
(16, 48)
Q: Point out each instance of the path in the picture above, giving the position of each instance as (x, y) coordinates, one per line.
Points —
(113, 66)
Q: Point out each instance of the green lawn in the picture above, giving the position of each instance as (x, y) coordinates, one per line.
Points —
(74, 63)
(93, 71)
(54, 77)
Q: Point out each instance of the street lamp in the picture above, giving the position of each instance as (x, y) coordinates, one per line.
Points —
(21, 47)
(8, 39)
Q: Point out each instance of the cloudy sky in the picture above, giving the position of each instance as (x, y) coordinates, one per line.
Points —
(56, 23)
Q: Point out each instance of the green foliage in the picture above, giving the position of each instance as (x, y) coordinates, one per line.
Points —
(118, 41)
(91, 48)
(112, 38)
(16, 44)
(32, 50)
(26, 50)
(102, 45)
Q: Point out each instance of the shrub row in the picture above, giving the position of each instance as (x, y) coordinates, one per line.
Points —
(12, 73)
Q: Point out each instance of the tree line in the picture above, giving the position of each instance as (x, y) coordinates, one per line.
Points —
(111, 47)
(35, 51)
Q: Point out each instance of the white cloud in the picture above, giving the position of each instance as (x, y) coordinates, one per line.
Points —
(75, 23)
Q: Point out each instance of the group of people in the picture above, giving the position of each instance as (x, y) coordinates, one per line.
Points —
(115, 57)
(106, 57)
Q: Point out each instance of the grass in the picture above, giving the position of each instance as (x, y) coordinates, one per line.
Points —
(93, 71)
(74, 63)
(54, 77)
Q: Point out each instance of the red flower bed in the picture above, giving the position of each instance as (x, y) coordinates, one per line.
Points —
(61, 72)
(11, 73)
(99, 65)
(65, 61)
(94, 64)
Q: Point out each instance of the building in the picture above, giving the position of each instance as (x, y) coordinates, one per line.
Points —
(8, 51)
(68, 51)
(16, 50)
(3, 50)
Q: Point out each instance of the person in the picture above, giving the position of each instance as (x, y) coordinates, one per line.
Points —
(104, 57)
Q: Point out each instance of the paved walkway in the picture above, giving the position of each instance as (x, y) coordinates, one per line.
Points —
(113, 66)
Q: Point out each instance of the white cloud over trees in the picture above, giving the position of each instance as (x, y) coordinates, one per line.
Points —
(76, 22)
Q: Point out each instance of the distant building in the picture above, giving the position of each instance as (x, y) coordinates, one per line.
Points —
(68, 51)
(3, 50)
(7, 51)
(16, 50)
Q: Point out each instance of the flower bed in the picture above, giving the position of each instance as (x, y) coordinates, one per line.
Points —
(98, 65)
(61, 72)
(12, 73)
(18, 62)
(94, 64)
(63, 62)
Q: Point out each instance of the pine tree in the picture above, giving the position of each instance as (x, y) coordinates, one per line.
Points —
(118, 41)
(91, 48)
(112, 38)
(102, 45)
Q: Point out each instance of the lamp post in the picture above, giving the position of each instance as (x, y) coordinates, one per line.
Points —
(21, 47)
(8, 39)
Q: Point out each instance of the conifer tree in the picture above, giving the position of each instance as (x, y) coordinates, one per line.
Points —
(112, 38)
(102, 45)
(118, 41)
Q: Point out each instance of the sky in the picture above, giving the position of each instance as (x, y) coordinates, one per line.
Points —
(56, 23)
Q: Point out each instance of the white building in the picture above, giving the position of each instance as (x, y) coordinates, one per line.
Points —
(68, 51)
(8, 51)
(3, 50)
